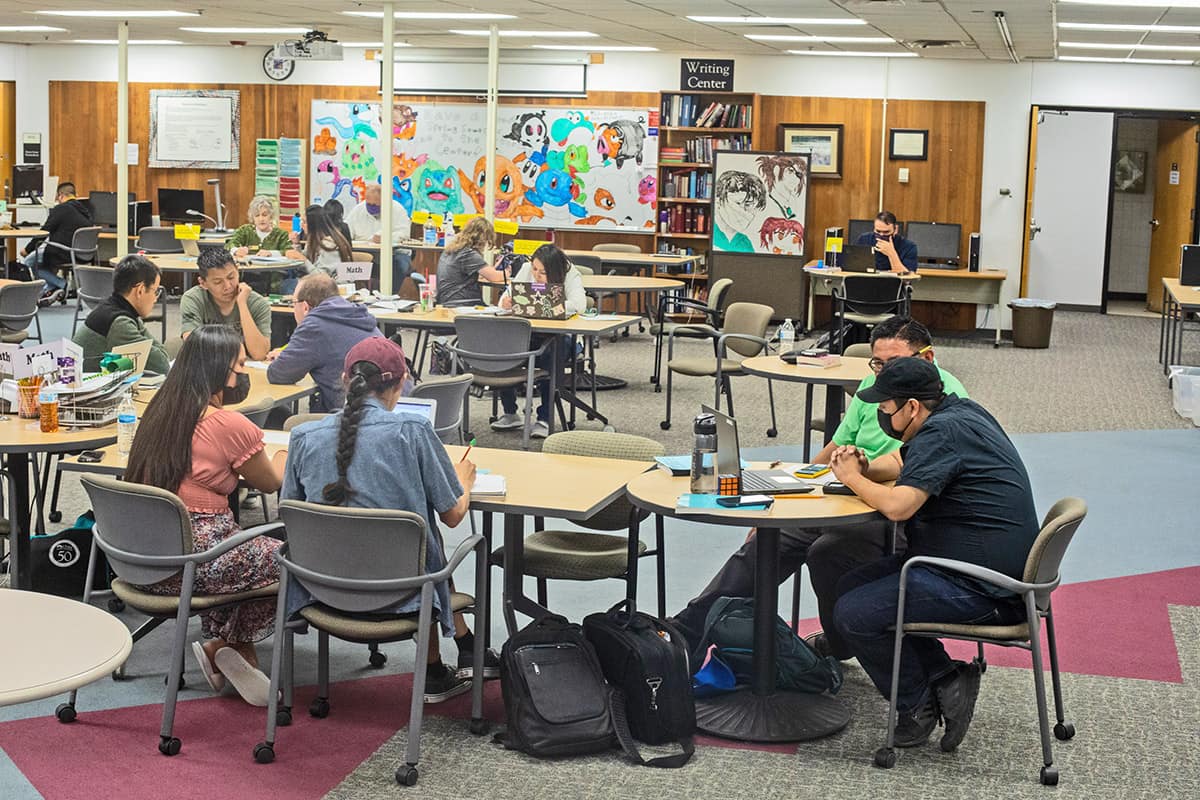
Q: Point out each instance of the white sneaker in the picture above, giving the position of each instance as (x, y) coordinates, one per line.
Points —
(540, 430)
(251, 683)
(507, 422)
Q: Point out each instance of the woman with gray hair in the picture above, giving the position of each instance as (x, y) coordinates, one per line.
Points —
(263, 234)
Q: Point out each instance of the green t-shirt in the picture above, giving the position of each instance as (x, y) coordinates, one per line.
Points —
(197, 308)
(740, 243)
(860, 426)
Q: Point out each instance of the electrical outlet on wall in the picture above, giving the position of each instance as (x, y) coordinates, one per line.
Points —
(904, 174)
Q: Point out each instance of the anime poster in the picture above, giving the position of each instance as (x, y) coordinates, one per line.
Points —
(760, 202)
(555, 167)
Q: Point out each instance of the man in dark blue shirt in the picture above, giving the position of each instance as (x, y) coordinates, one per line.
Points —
(964, 494)
(893, 253)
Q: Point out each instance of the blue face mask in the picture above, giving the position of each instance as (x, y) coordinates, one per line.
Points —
(372, 210)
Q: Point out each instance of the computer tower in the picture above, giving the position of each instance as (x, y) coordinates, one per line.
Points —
(140, 216)
(973, 253)
(1189, 265)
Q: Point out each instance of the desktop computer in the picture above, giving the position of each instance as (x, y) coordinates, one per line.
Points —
(27, 182)
(973, 253)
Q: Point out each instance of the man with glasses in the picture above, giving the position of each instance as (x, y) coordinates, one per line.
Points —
(829, 553)
(893, 253)
(221, 299)
(117, 320)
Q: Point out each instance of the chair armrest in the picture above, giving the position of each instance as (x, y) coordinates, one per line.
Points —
(746, 337)
(693, 328)
(464, 548)
(472, 356)
(237, 540)
(665, 300)
(143, 560)
(59, 245)
(361, 584)
(977, 572)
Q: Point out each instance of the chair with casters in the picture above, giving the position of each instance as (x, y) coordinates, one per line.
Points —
(85, 243)
(157, 241)
(300, 419)
(499, 353)
(19, 307)
(620, 247)
(573, 555)
(94, 285)
(856, 350)
(713, 309)
(743, 331)
(157, 547)
(451, 424)
(1041, 577)
(258, 413)
(866, 301)
(384, 567)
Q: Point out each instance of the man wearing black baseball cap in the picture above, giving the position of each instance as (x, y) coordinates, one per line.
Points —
(963, 493)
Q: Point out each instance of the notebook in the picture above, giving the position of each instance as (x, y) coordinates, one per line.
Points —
(538, 300)
(488, 484)
(754, 481)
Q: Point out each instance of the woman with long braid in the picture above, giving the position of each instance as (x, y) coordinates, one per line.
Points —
(383, 459)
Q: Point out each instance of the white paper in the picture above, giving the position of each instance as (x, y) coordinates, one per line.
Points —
(194, 129)
(131, 153)
(277, 437)
(257, 364)
(350, 271)
(489, 485)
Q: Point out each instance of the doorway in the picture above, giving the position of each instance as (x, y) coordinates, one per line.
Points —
(8, 134)
(1132, 209)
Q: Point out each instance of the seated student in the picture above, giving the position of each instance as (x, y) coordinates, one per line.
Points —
(367, 456)
(327, 326)
(45, 260)
(462, 266)
(325, 246)
(189, 444)
(262, 234)
(829, 552)
(964, 493)
(337, 213)
(117, 320)
(548, 265)
(893, 253)
(365, 226)
(220, 299)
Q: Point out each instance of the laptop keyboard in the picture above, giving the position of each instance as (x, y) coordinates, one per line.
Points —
(754, 484)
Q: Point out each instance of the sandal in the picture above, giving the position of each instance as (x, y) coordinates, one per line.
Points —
(216, 681)
(251, 683)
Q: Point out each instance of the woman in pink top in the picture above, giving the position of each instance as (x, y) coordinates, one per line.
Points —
(187, 443)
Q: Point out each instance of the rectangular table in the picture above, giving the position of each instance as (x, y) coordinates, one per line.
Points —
(1178, 302)
(14, 235)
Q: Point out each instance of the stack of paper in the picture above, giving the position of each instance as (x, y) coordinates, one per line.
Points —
(489, 485)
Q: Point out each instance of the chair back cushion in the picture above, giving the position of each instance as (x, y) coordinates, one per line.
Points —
(616, 247)
(449, 393)
(495, 337)
(749, 318)
(872, 294)
(718, 293)
(19, 303)
(597, 444)
(1046, 554)
(591, 264)
(95, 283)
(158, 240)
(138, 519)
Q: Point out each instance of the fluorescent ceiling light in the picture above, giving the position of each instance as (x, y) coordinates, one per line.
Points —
(130, 14)
(1107, 60)
(465, 15)
(609, 48)
(781, 20)
(373, 45)
(30, 29)
(1107, 26)
(1137, 3)
(831, 39)
(1166, 48)
(131, 41)
(529, 34)
(854, 53)
(246, 30)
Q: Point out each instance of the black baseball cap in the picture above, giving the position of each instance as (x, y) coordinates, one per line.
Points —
(905, 378)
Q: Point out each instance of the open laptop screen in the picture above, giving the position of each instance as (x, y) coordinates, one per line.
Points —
(420, 406)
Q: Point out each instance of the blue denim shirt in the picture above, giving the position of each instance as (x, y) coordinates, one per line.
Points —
(398, 463)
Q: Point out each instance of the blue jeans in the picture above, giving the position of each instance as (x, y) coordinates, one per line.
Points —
(866, 615)
(508, 397)
(52, 279)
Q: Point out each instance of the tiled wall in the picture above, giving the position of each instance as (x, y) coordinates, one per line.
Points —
(1129, 260)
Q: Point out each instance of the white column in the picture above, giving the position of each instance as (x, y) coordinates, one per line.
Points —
(122, 139)
(489, 192)
(386, 99)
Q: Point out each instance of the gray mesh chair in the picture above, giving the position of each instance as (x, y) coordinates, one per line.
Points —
(85, 243)
(713, 311)
(157, 241)
(383, 567)
(146, 535)
(19, 307)
(866, 300)
(579, 556)
(95, 284)
(498, 351)
(1041, 577)
(451, 424)
(744, 332)
(258, 413)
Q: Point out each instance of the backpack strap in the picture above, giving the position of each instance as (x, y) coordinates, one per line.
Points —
(616, 705)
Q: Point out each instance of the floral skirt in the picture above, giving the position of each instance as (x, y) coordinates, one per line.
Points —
(250, 566)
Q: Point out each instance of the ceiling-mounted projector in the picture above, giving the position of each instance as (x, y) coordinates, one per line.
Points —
(314, 46)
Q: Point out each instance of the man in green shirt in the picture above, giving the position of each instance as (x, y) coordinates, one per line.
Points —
(221, 299)
(830, 553)
(117, 320)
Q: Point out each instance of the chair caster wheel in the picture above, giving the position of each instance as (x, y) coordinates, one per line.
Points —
(264, 753)
(65, 713)
(1049, 776)
(407, 775)
(169, 745)
(54, 516)
(378, 659)
(115, 605)
(1064, 731)
(666, 426)
(479, 726)
(609, 429)
(658, 388)
(772, 433)
(283, 716)
(319, 708)
(885, 758)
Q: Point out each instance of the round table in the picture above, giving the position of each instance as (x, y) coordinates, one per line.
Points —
(762, 713)
(53, 645)
(600, 285)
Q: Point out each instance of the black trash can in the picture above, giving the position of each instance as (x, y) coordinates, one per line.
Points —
(1031, 322)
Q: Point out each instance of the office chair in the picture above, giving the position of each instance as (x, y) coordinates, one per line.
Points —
(85, 243)
(866, 300)
(450, 392)
(713, 311)
(157, 241)
(95, 284)
(258, 413)
(19, 307)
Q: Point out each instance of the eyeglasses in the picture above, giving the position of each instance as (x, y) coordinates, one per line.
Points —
(158, 292)
(877, 364)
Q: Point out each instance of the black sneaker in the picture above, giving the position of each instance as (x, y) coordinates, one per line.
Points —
(912, 730)
(441, 684)
(956, 695)
(466, 666)
(50, 297)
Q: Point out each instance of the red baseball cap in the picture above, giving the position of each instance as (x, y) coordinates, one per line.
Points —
(383, 353)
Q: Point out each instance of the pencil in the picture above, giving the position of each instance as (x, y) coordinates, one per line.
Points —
(470, 444)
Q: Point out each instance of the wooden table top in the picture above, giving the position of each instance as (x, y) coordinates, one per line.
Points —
(628, 283)
(53, 645)
(1183, 295)
(181, 263)
(260, 390)
(443, 317)
(22, 233)
(848, 373)
(955, 274)
(658, 491)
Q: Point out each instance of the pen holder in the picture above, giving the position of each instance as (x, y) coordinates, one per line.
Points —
(27, 396)
(728, 484)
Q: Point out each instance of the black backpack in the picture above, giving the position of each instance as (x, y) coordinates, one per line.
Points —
(58, 562)
(555, 699)
(646, 663)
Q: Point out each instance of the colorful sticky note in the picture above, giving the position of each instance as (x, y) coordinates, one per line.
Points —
(833, 244)
(438, 219)
(419, 217)
(526, 247)
(505, 226)
(187, 231)
(461, 220)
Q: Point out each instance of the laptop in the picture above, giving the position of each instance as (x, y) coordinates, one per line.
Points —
(421, 406)
(754, 481)
(857, 258)
(191, 247)
(138, 352)
(538, 300)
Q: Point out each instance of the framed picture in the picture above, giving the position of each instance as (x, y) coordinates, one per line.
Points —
(1129, 173)
(823, 143)
(760, 202)
(908, 144)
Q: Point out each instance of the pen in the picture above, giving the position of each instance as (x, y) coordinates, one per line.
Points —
(774, 464)
(470, 444)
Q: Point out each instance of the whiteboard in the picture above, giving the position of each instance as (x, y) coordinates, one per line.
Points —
(194, 129)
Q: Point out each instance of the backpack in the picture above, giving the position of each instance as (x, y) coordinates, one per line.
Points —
(730, 626)
(646, 663)
(58, 562)
(555, 699)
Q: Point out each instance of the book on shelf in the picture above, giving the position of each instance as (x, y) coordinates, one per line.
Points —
(691, 111)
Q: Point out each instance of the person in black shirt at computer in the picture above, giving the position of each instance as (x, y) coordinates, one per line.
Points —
(893, 253)
(44, 260)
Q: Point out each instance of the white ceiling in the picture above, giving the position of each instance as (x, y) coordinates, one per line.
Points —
(655, 23)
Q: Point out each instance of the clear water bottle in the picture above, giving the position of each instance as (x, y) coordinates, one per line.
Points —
(430, 232)
(447, 231)
(704, 455)
(126, 424)
(787, 337)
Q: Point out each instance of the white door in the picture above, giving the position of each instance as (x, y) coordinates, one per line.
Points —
(1069, 216)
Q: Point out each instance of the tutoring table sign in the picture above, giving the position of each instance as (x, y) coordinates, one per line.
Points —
(706, 74)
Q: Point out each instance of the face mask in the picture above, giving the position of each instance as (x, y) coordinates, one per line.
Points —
(372, 210)
(885, 424)
(232, 395)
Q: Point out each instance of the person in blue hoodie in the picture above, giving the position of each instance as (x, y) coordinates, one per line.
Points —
(327, 326)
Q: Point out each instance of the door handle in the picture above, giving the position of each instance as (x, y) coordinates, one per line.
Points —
(1034, 230)
(1154, 223)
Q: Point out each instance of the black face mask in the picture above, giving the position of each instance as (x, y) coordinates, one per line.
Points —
(885, 424)
(232, 395)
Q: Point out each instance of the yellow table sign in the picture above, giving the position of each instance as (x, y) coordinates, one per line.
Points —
(419, 217)
(187, 230)
(505, 226)
(526, 247)
(461, 220)
(833, 244)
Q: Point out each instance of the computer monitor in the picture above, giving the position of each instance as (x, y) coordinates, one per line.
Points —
(27, 181)
(173, 205)
(857, 227)
(936, 241)
(104, 208)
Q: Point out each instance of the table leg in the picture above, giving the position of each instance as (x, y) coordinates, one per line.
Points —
(484, 625)
(808, 402)
(515, 600)
(834, 403)
(808, 314)
(1162, 332)
(996, 306)
(555, 372)
(18, 469)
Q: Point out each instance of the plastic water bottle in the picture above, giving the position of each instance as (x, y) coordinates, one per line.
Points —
(704, 455)
(126, 424)
(787, 337)
(430, 232)
(447, 231)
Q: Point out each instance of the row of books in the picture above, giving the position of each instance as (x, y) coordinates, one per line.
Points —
(690, 111)
(668, 248)
(702, 148)
(683, 219)
(691, 184)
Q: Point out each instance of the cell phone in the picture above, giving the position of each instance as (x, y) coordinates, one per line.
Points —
(91, 456)
(838, 488)
(815, 352)
(735, 501)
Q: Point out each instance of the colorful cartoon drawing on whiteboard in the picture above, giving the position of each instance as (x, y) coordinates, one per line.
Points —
(359, 124)
(437, 190)
(531, 132)
(560, 131)
(402, 192)
(620, 141)
(329, 175)
(404, 122)
(510, 190)
(554, 187)
(324, 144)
